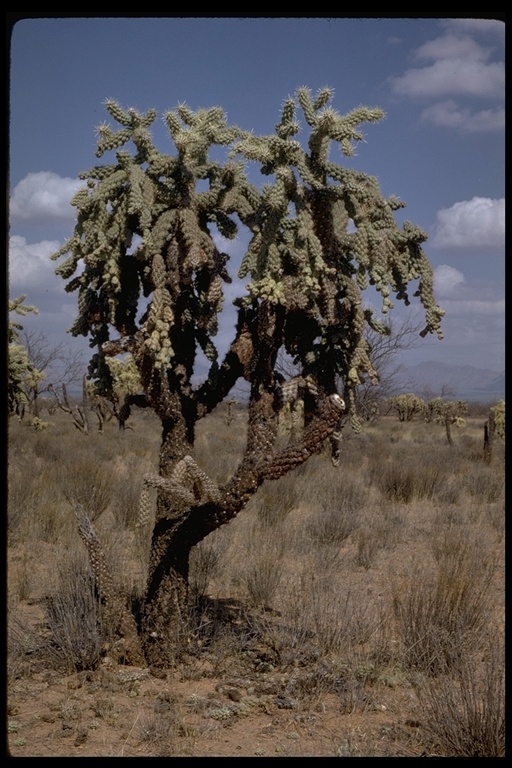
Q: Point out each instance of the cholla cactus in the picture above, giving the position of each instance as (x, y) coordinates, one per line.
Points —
(20, 308)
(125, 378)
(498, 414)
(22, 373)
(39, 425)
(150, 275)
(407, 406)
(450, 413)
(494, 425)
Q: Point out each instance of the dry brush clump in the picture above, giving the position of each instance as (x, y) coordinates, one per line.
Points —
(380, 530)
(72, 633)
(263, 571)
(77, 633)
(24, 499)
(276, 501)
(327, 612)
(485, 485)
(206, 564)
(442, 611)
(463, 712)
(338, 514)
(162, 728)
(87, 482)
(402, 478)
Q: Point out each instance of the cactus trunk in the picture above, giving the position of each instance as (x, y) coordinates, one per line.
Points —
(166, 604)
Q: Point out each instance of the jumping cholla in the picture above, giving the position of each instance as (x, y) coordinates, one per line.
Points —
(187, 485)
(150, 273)
(22, 373)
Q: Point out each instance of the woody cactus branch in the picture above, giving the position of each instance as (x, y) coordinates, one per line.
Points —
(313, 438)
(128, 646)
(101, 572)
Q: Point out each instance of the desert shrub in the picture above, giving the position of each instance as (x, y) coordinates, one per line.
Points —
(367, 548)
(463, 714)
(125, 501)
(51, 523)
(126, 492)
(450, 491)
(368, 545)
(262, 575)
(469, 444)
(23, 646)
(20, 439)
(51, 449)
(21, 586)
(205, 561)
(162, 726)
(22, 499)
(381, 530)
(339, 620)
(395, 482)
(440, 615)
(446, 541)
(276, 500)
(329, 617)
(389, 522)
(332, 524)
(219, 447)
(345, 680)
(34, 506)
(337, 503)
(262, 579)
(485, 484)
(353, 448)
(74, 620)
(88, 483)
(402, 478)
(495, 515)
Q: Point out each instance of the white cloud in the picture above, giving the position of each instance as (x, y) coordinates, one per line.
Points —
(456, 64)
(29, 263)
(452, 48)
(470, 224)
(446, 280)
(453, 75)
(447, 114)
(44, 195)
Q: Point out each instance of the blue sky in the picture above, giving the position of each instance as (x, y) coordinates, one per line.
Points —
(441, 147)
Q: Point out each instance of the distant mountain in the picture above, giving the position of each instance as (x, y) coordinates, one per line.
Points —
(465, 381)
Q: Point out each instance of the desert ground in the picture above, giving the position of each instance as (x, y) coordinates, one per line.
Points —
(352, 610)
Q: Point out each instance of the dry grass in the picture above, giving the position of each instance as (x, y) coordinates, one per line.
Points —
(374, 589)
(464, 712)
(74, 622)
(441, 613)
